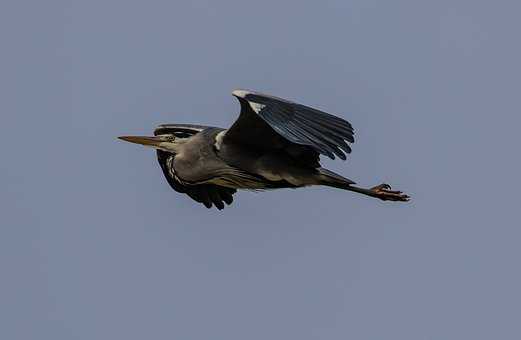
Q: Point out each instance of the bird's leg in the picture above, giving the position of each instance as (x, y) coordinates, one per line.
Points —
(382, 191)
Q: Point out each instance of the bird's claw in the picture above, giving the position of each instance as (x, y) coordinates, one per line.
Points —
(384, 192)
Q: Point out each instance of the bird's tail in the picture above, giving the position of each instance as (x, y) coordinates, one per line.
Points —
(329, 178)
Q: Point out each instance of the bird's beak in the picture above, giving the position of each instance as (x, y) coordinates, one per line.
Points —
(143, 140)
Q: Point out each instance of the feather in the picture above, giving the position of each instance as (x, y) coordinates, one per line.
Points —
(297, 123)
(215, 197)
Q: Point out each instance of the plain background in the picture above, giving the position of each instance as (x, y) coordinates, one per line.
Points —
(95, 245)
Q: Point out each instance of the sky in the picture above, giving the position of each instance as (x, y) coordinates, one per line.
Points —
(94, 244)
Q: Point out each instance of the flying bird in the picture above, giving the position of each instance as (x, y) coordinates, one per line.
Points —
(274, 143)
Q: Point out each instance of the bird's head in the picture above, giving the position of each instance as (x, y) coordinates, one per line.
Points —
(166, 142)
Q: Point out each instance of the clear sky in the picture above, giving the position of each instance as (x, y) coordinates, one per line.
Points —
(95, 245)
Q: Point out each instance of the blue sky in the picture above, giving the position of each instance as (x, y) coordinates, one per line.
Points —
(95, 245)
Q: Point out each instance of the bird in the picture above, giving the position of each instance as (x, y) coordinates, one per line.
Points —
(274, 143)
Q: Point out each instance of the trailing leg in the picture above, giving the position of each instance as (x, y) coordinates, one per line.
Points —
(382, 191)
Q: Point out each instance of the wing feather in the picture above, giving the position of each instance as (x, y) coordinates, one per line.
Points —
(207, 194)
(296, 123)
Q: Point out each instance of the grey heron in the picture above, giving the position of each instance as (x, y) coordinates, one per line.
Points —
(274, 143)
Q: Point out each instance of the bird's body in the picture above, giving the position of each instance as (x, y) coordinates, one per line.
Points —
(273, 144)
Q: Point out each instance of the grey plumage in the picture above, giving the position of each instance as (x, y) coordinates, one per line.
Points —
(273, 144)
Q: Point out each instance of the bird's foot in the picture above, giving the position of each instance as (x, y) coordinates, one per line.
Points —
(384, 192)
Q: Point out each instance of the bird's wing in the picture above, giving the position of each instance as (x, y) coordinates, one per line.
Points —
(207, 194)
(268, 122)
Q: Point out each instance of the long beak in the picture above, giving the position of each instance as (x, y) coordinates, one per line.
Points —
(143, 140)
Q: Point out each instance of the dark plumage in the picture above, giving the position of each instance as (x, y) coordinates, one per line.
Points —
(273, 144)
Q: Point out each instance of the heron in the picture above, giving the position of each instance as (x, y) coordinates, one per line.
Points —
(274, 143)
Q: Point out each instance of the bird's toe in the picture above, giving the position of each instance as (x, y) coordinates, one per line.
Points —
(384, 192)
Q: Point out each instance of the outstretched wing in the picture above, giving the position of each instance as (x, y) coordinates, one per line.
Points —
(207, 194)
(268, 122)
